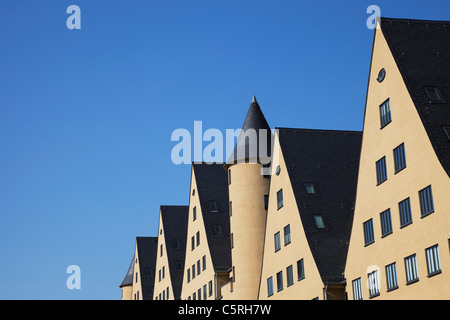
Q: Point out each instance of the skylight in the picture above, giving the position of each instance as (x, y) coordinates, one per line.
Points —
(309, 188)
(433, 94)
(447, 132)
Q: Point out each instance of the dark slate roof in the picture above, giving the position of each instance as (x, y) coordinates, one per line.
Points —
(147, 249)
(254, 120)
(421, 50)
(212, 184)
(330, 160)
(174, 221)
(128, 280)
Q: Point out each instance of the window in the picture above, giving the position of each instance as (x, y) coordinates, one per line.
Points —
(426, 201)
(229, 176)
(280, 198)
(176, 244)
(318, 220)
(433, 260)
(280, 281)
(204, 292)
(188, 275)
(179, 265)
(167, 293)
(386, 223)
(374, 286)
(300, 270)
(368, 232)
(199, 292)
(269, 286)
(210, 288)
(447, 132)
(391, 277)
(433, 94)
(160, 250)
(230, 208)
(385, 113)
(405, 213)
(213, 206)
(192, 243)
(218, 229)
(381, 170)
(266, 202)
(194, 213)
(309, 188)
(203, 262)
(198, 238)
(198, 267)
(277, 241)
(289, 276)
(287, 234)
(411, 269)
(193, 271)
(357, 289)
(399, 158)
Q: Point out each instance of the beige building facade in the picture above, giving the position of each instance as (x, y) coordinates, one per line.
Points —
(327, 214)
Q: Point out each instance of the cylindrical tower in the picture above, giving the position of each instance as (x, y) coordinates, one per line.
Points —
(248, 192)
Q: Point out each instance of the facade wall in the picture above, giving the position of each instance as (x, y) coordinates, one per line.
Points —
(163, 284)
(422, 169)
(197, 281)
(136, 292)
(308, 287)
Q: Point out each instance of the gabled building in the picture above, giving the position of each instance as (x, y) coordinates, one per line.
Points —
(310, 212)
(208, 254)
(171, 252)
(139, 280)
(400, 237)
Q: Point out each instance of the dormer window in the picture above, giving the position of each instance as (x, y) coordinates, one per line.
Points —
(433, 94)
(213, 206)
(309, 188)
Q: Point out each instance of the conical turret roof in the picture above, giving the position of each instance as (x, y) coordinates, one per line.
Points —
(254, 143)
(128, 280)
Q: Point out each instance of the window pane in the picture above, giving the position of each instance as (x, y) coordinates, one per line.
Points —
(426, 201)
(399, 157)
(381, 170)
(280, 281)
(280, 198)
(411, 269)
(357, 290)
(368, 232)
(289, 276)
(309, 188)
(433, 260)
(269, 286)
(318, 220)
(277, 241)
(386, 223)
(385, 113)
(300, 270)
(287, 234)
(405, 212)
(391, 276)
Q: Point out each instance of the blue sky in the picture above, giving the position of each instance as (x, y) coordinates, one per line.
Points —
(86, 115)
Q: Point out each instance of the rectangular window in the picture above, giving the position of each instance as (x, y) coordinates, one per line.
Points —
(405, 213)
(280, 281)
(198, 238)
(433, 94)
(204, 292)
(203, 262)
(287, 234)
(192, 243)
(433, 260)
(391, 277)
(426, 201)
(231, 209)
(386, 223)
(411, 269)
(266, 202)
(194, 213)
(280, 198)
(213, 206)
(300, 270)
(385, 113)
(399, 158)
(269, 286)
(309, 188)
(357, 289)
(289, 276)
(217, 229)
(188, 275)
(277, 241)
(198, 267)
(229, 176)
(374, 286)
(318, 221)
(210, 288)
(193, 271)
(381, 170)
(368, 232)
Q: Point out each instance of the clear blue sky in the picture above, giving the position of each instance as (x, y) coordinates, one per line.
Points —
(86, 115)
